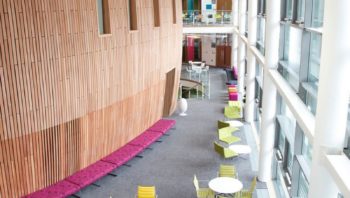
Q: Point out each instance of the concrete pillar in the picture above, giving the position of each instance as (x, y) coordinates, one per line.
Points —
(251, 63)
(235, 9)
(267, 137)
(333, 95)
(241, 46)
(235, 36)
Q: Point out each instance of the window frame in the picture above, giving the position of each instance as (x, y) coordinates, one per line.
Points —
(103, 17)
(132, 13)
(156, 13)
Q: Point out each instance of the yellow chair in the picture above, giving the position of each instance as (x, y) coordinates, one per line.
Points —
(228, 129)
(202, 192)
(224, 152)
(249, 193)
(222, 124)
(146, 192)
(232, 112)
(226, 135)
(227, 171)
(234, 104)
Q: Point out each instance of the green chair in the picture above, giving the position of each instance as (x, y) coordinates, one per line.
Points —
(227, 171)
(226, 136)
(224, 152)
(202, 192)
(249, 193)
(222, 124)
(232, 112)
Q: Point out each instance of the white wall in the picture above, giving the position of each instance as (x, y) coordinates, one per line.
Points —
(208, 53)
(205, 12)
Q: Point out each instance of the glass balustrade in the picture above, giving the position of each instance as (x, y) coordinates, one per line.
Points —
(207, 17)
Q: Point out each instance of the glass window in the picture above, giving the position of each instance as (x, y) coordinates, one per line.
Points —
(246, 24)
(307, 151)
(315, 54)
(280, 183)
(311, 86)
(311, 102)
(174, 11)
(289, 162)
(292, 47)
(289, 10)
(156, 14)
(261, 7)
(317, 13)
(303, 186)
(291, 55)
(103, 17)
(301, 11)
(132, 14)
(347, 136)
(281, 142)
(261, 34)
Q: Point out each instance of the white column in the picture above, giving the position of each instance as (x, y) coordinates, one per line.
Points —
(267, 137)
(235, 36)
(333, 95)
(235, 10)
(250, 80)
(241, 47)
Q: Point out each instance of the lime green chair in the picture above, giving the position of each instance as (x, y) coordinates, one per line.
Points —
(202, 192)
(228, 130)
(249, 193)
(227, 171)
(232, 112)
(222, 124)
(234, 104)
(236, 196)
(146, 192)
(226, 136)
(224, 152)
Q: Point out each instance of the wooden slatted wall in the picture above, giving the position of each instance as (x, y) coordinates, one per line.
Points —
(69, 96)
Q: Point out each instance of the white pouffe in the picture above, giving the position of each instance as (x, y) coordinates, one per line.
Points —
(182, 105)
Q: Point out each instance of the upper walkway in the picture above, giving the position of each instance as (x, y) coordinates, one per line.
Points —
(207, 22)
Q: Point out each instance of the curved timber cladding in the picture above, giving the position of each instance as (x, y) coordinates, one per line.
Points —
(70, 96)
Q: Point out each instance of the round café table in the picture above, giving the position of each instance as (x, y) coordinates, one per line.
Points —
(226, 186)
(240, 149)
(235, 123)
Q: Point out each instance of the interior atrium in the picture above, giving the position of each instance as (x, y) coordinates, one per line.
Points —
(175, 98)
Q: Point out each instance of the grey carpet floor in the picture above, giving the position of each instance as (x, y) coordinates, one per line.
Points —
(188, 150)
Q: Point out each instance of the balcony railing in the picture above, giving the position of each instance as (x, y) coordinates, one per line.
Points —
(207, 17)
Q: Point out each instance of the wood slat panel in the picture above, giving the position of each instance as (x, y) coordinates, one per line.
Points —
(69, 96)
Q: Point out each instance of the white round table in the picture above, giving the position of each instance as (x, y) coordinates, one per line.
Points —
(235, 123)
(225, 185)
(240, 149)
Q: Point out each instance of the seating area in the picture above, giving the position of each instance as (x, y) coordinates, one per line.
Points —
(170, 166)
(232, 76)
(106, 165)
(227, 183)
